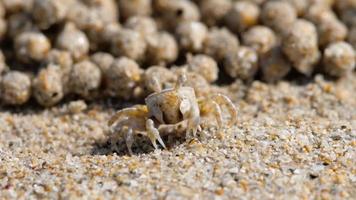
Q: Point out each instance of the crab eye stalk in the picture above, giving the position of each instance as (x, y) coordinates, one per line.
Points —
(182, 78)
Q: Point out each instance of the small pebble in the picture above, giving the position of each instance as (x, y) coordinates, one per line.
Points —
(75, 107)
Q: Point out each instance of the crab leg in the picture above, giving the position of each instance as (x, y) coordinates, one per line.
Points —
(224, 100)
(217, 112)
(177, 128)
(129, 140)
(153, 134)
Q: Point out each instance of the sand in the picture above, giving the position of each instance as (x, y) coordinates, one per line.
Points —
(292, 140)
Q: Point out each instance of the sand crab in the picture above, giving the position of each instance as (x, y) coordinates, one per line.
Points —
(174, 110)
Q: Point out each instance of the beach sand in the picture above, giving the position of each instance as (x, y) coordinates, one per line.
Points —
(292, 141)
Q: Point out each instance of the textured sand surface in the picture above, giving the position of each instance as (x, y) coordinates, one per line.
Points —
(292, 140)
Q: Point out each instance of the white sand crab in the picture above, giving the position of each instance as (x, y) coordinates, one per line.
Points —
(169, 111)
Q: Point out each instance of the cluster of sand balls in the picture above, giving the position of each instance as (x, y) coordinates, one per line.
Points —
(54, 49)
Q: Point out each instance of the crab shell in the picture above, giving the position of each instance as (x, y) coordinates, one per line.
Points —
(172, 106)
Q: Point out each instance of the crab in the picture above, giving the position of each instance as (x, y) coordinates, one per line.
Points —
(170, 111)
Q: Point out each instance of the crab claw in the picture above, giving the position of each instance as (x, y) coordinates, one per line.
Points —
(153, 134)
(139, 111)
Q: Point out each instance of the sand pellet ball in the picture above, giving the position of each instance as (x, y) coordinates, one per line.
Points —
(162, 48)
(85, 79)
(260, 38)
(191, 35)
(15, 88)
(105, 10)
(345, 4)
(143, 24)
(3, 65)
(198, 83)
(102, 60)
(242, 64)
(156, 78)
(74, 41)
(203, 65)
(3, 28)
(129, 8)
(48, 86)
(300, 44)
(213, 11)
(278, 15)
(83, 16)
(13, 6)
(348, 16)
(299, 5)
(331, 30)
(319, 12)
(109, 32)
(219, 43)
(274, 65)
(32, 46)
(242, 15)
(62, 59)
(19, 23)
(339, 59)
(351, 38)
(129, 43)
(123, 76)
(2, 10)
(176, 12)
(48, 12)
